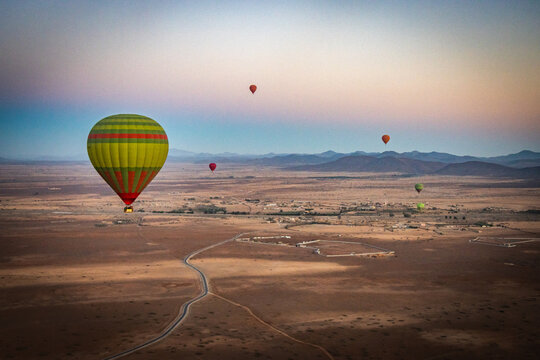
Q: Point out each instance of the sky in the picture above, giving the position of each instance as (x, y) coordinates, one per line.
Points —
(452, 76)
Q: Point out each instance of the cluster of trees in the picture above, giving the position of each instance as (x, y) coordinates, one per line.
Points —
(205, 209)
(210, 209)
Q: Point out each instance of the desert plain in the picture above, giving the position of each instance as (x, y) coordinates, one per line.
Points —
(319, 266)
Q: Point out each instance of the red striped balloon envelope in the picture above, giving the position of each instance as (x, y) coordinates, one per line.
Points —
(128, 151)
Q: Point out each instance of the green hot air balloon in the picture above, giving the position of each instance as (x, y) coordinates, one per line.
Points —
(128, 151)
(420, 206)
(419, 187)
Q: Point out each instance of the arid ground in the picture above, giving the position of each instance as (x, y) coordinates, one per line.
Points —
(82, 280)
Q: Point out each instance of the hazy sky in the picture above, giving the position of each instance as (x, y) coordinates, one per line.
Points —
(454, 76)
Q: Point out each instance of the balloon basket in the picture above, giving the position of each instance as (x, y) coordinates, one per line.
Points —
(128, 209)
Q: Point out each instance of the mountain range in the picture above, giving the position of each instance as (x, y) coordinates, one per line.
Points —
(525, 158)
(361, 163)
(524, 164)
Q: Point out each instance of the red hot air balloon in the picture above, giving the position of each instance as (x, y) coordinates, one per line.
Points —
(253, 88)
(212, 166)
(386, 139)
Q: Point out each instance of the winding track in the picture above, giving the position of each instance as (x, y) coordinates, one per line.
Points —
(319, 347)
(184, 310)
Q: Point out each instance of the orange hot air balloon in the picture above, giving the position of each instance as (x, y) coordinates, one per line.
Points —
(253, 88)
(212, 166)
(386, 139)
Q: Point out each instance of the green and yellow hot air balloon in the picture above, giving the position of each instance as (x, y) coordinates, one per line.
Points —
(420, 206)
(419, 187)
(128, 151)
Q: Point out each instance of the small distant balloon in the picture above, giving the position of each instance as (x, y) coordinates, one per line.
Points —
(420, 206)
(386, 139)
(212, 166)
(253, 88)
(419, 187)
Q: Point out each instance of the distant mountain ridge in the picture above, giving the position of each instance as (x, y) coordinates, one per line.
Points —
(363, 163)
(434, 156)
(388, 164)
(524, 164)
(296, 159)
(479, 168)
(525, 158)
(177, 155)
(522, 155)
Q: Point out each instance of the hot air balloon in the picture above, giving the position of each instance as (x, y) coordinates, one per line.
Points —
(212, 166)
(128, 151)
(253, 88)
(419, 187)
(420, 206)
(385, 139)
